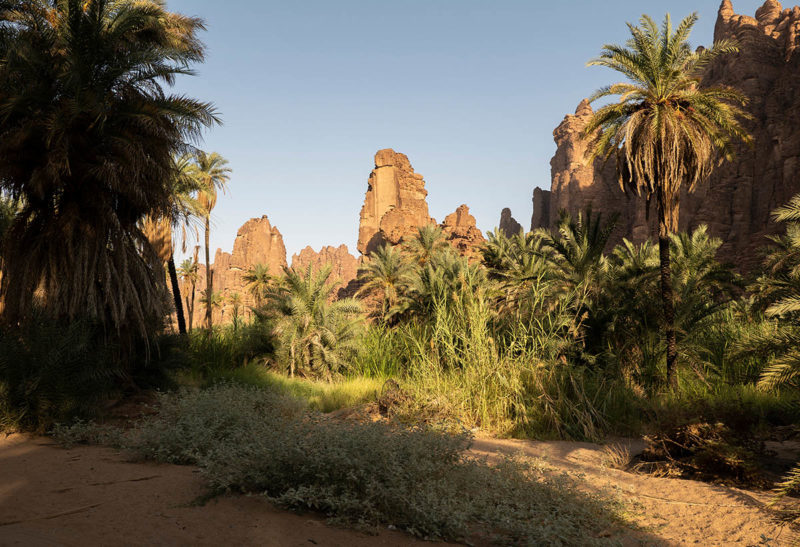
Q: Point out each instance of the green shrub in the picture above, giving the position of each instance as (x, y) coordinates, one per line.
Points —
(252, 441)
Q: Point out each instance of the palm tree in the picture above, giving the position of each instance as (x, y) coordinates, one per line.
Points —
(212, 173)
(213, 303)
(439, 284)
(427, 242)
(383, 274)
(667, 130)
(777, 292)
(87, 136)
(235, 300)
(188, 273)
(184, 208)
(316, 334)
(519, 265)
(258, 281)
(576, 253)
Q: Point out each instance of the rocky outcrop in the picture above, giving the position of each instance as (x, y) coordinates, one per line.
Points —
(508, 224)
(344, 266)
(462, 232)
(257, 242)
(736, 201)
(394, 206)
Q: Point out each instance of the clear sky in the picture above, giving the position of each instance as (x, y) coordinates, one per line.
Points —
(470, 90)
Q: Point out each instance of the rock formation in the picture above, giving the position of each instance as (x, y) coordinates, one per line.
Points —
(257, 242)
(394, 206)
(462, 232)
(508, 224)
(344, 265)
(737, 199)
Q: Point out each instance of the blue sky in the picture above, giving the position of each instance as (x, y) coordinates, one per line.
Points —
(470, 90)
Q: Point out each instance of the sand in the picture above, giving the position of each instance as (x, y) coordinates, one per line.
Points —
(93, 496)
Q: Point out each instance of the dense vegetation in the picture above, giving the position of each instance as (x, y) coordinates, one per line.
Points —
(547, 334)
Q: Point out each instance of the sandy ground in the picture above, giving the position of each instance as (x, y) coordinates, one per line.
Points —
(92, 496)
(671, 511)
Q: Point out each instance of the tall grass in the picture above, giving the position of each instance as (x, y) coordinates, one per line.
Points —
(521, 386)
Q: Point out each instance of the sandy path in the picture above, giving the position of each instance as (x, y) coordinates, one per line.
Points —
(677, 512)
(92, 496)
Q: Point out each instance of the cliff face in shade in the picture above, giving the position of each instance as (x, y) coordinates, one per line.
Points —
(394, 205)
(344, 265)
(257, 242)
(508, 224)
(737, 200)
(462, 232)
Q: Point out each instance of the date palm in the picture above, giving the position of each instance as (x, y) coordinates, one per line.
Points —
(575, 253)
(383, 274)
(429, 240)
(215, 302)
(235, 300)
(160, 230)
(188, 274)
(212, 173)
(258, 281)
(87, 137)
(317, 335)
(667, 131)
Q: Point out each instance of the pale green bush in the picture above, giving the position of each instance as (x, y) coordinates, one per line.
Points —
(250, 441)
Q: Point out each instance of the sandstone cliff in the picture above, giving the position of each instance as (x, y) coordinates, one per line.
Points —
(737, 199)
(394, 206)
(257, 242)
(344, 265)
(508, 224)
(463, 233)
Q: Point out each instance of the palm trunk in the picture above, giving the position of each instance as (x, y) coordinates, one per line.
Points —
(194, 288)
(667, 300)
(176, 295)
(190, 309)
(209, 280)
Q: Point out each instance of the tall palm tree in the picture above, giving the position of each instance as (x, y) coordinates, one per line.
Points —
(188, 273)
(212, 172)
(666, 131)
(383, 274)
(87, 136)
(214, 303)
(257, 281)
(160, 231)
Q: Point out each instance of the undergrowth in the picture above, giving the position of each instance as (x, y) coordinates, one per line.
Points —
(247, 440)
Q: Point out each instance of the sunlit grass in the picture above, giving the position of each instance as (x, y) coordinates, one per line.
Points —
(320, 395)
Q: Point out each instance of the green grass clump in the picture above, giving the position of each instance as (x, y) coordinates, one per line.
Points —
(318, 394)
(247, 440)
